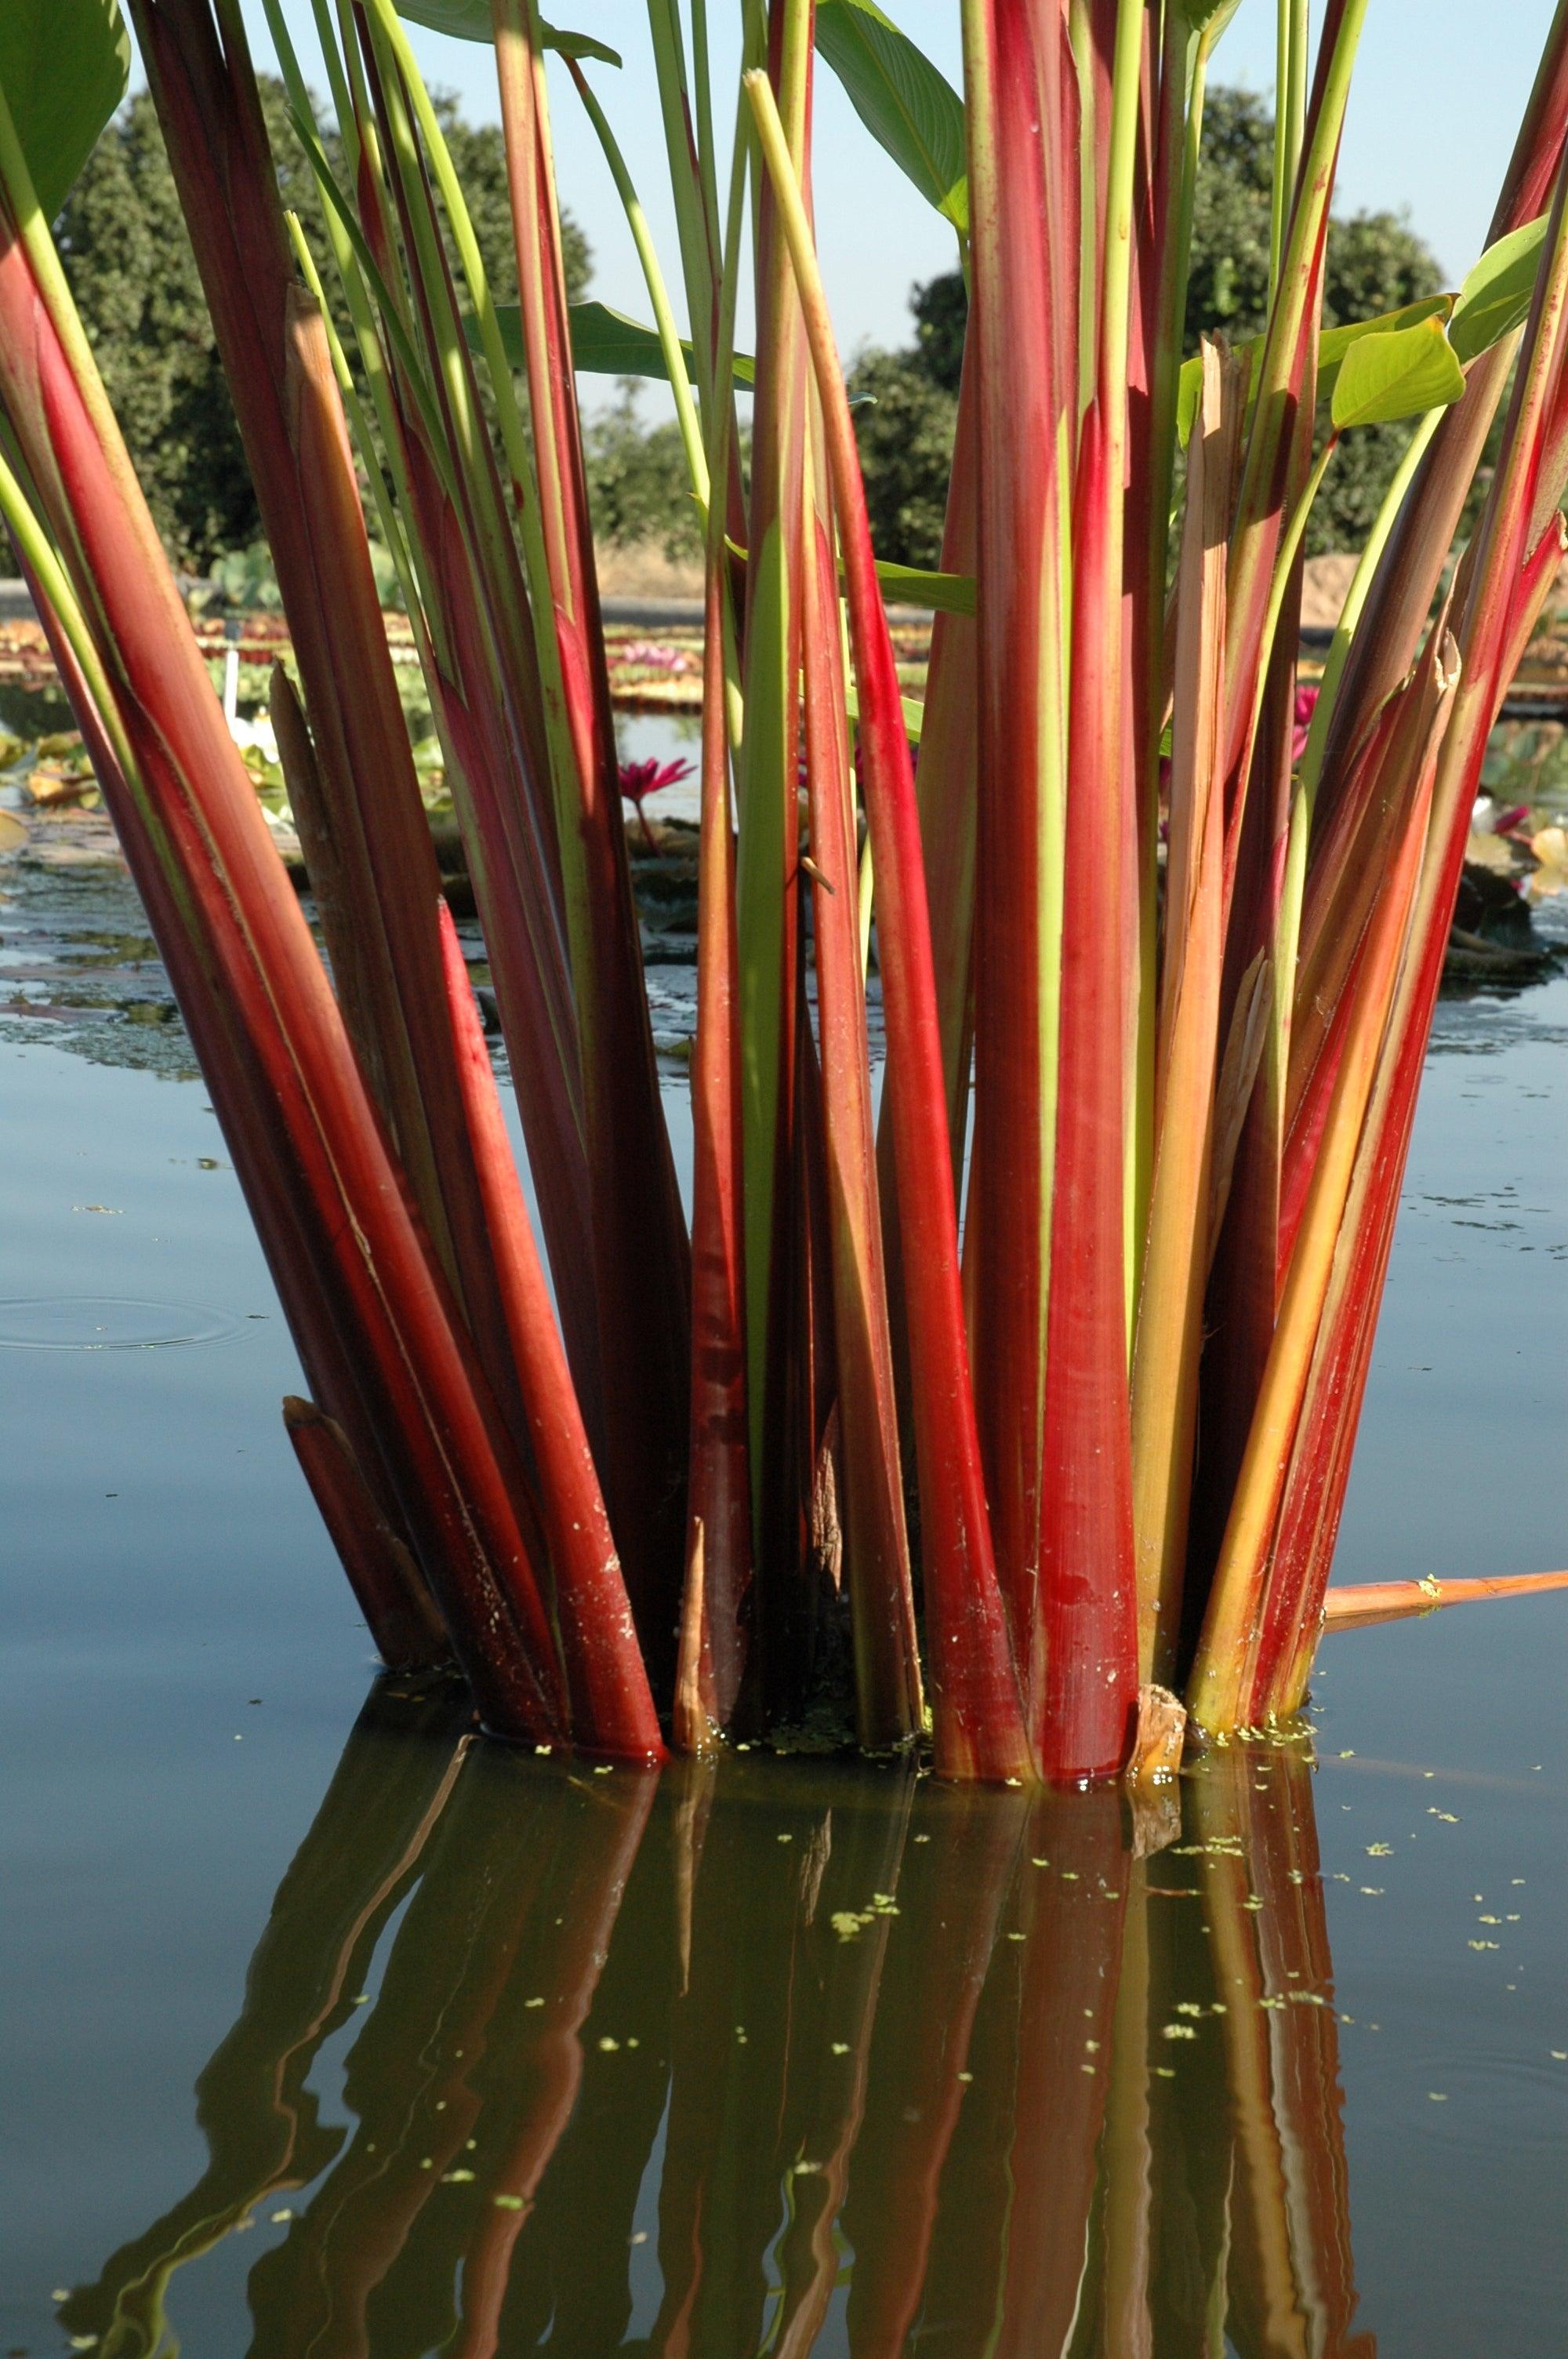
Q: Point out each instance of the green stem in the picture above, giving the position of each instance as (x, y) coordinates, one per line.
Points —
(1115, 313)
(1290, 125)
(658, 294)
(356, 264)
(1356, 599)
(38, 555)
(686, 189)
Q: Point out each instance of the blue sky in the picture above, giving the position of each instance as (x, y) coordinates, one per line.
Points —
(1440, 87)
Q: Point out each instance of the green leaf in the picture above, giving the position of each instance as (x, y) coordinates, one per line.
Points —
(470, 20)
(64, 65)
(604, 343)
(1209, 17)
(914, 712)
(948, 594)
(913, 586)
(908, 107)
(579, 45)
(1496, 296)
(1333, 345)
(1189, 385)
(1401, 373)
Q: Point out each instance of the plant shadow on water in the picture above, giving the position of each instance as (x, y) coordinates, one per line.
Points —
(778, 2058)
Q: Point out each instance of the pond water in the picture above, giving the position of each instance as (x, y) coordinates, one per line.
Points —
(329, 2032)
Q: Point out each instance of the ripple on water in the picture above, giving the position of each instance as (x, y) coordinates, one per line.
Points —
(101, 1322)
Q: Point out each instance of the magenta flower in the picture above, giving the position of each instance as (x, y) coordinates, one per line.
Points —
(641, 779)
(1306, 705)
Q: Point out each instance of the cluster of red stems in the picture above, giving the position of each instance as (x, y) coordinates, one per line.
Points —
(1041, 1380)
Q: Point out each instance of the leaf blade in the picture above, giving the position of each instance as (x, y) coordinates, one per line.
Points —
(605, 342)
(914, 585)
(1496, 295)
(1399, 374)
(64, 68)
(910, 108)
(1333, 345)
(470, 20)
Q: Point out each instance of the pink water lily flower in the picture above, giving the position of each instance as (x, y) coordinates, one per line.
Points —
(641, 779)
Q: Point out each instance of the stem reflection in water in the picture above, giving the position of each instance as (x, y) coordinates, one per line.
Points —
(782, 2057)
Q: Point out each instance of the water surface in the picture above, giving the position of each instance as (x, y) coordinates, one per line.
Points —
(247, 1930)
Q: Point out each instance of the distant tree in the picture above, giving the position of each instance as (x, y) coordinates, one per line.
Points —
(1375, 263)
(941, 309)
(134, 276)
(906, 452)
(639, 489)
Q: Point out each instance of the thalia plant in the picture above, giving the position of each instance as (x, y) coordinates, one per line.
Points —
(1041, 1380)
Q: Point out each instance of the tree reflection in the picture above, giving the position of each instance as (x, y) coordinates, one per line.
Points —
(778, 2058)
